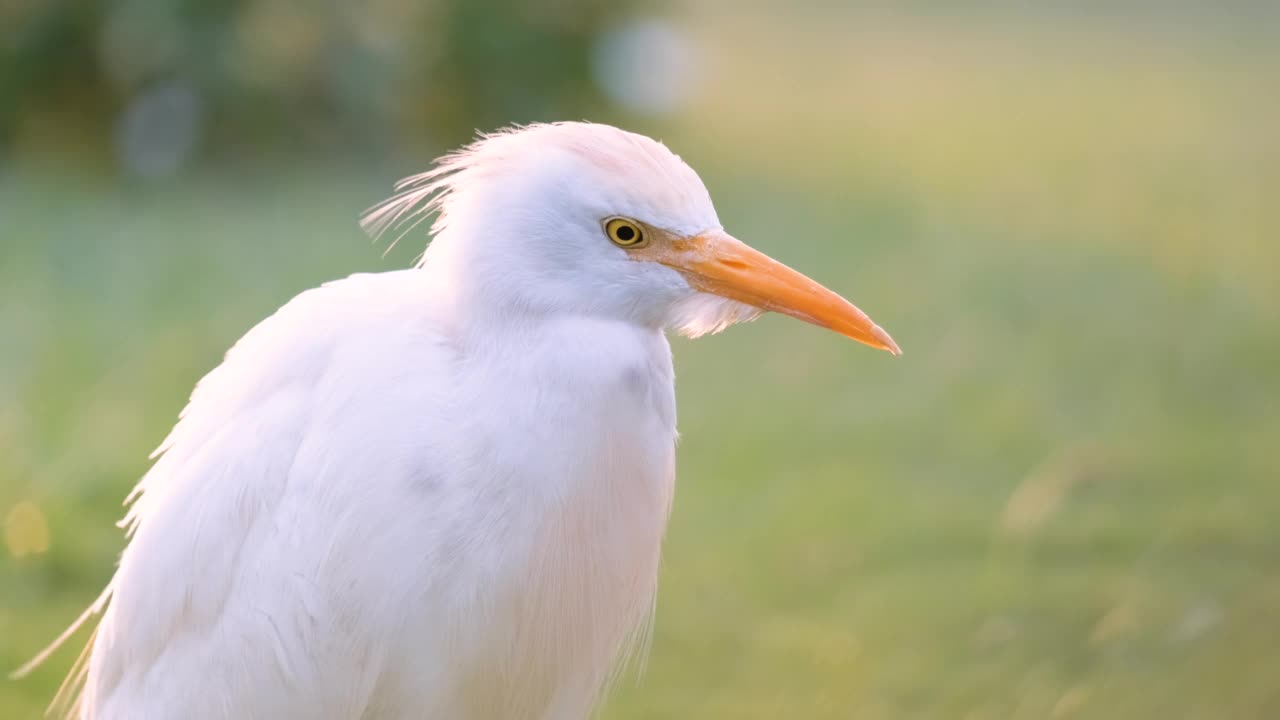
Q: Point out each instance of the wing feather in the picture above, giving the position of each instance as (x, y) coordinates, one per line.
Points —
(235, 483)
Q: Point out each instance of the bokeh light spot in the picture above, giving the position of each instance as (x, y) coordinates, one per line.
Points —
(646, 66)
(160, 130)
(26, 532)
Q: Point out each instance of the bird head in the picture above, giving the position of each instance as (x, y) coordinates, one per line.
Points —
(589, 219)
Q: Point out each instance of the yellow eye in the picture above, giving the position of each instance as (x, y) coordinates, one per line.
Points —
(623, 232)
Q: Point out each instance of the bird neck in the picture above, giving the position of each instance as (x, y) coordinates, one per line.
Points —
(483, 292)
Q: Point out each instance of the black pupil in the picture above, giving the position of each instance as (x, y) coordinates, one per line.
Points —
(626, 233)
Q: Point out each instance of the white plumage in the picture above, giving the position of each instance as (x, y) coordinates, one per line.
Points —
(439, 492)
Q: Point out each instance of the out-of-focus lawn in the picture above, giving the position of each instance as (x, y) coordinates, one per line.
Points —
(1061, 502)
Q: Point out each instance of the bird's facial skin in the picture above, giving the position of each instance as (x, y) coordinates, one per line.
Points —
(716, 262)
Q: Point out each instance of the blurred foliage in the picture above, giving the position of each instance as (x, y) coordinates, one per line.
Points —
(287, 73)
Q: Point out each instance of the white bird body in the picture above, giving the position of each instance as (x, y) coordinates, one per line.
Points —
(311, 548)
(439, 492)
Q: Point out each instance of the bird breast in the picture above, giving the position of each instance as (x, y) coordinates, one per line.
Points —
(576, 452)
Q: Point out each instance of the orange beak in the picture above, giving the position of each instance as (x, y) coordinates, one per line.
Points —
(716, 262)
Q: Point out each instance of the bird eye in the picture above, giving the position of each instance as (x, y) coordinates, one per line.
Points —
(623, 232)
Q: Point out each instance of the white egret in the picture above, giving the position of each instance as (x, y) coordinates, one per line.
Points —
(439, 492)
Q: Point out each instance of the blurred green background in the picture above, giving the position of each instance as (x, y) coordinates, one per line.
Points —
(1062, 502)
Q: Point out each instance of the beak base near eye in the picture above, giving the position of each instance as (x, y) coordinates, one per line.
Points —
(718, 263)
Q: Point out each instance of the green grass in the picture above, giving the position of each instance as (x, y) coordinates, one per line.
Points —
(1060, 502)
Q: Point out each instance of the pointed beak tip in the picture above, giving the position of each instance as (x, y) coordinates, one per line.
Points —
(886, 342)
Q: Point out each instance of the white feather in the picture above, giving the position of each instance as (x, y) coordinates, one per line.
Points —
(438, 492)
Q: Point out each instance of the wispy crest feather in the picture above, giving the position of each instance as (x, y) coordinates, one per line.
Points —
(417, 197)
(420, 196)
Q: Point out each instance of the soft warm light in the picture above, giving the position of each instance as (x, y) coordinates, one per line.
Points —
(25, 530)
